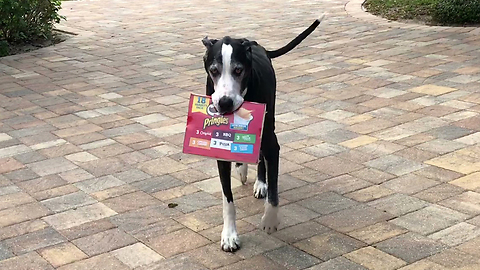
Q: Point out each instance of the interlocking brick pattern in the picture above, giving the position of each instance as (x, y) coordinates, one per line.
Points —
(379, 124)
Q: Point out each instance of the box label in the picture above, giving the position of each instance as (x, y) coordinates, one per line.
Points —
(242, 148)
(244, 138)
(199, 143)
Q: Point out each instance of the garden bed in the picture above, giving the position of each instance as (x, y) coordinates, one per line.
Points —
(431, 12)
(56, 38)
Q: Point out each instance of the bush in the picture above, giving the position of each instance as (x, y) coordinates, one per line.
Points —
(23, 21)
(457, 12)
(4, 48)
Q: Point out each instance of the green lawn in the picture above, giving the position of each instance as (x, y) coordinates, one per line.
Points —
(438, 12)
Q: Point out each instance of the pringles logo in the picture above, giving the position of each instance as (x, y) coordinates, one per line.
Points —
(202, 105)
(217, 121)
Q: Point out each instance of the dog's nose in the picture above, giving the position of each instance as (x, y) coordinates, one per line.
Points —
(225, 104)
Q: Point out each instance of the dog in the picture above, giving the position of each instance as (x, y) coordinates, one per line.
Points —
(241, 70)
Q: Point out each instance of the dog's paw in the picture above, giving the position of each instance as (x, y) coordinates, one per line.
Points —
(230, 242)
(259, 189)
(242, 170)
(270, 221)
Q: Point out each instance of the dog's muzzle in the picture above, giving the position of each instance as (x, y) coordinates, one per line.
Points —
(225, 105)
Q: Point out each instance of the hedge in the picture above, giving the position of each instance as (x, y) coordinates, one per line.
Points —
(457, 12)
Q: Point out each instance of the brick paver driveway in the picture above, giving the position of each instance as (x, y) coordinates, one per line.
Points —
(379, 125)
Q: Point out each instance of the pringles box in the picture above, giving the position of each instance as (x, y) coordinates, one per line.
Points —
(230, 137)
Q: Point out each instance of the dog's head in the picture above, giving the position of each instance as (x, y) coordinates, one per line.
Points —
(228, 63)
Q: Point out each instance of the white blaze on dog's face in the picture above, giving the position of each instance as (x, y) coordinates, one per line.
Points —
(227, 74)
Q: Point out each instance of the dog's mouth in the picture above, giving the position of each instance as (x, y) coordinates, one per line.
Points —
(219, 111)
(226, 104)
(222, 112)
(212, 111)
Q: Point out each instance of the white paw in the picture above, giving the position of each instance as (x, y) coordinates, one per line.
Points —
(259, 189)
(230, 241)
(270, 220)
(242, 172)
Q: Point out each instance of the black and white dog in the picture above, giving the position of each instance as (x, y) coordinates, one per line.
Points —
(238, 70)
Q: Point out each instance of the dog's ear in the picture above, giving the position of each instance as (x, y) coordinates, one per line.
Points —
(247, 44)
(208, 43)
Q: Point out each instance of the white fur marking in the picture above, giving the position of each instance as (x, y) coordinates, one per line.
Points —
(322, 17)
(270, 220)
(226, 84)
(259, 189)
(242, 172)
(227, 51)
(230, 241)
(244, 92)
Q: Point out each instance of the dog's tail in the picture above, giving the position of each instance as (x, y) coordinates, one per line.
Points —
(295, 41)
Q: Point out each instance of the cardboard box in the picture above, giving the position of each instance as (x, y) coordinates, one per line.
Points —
(231, 137)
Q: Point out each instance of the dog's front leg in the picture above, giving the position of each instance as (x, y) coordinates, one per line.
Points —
(242, 170)
(260, 186)
(230, 241)
(271, 152)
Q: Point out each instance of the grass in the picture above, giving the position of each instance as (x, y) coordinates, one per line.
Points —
(436, 12)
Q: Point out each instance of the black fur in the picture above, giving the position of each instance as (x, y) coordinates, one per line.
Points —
(260, 83)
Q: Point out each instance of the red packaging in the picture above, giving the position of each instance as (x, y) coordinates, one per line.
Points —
(230, 137)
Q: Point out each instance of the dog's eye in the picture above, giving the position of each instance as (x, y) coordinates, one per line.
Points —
(214, 71)
(238, 70)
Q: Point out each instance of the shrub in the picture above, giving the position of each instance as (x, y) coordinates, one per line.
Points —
(27, 20)
(4, 48)
(457, 12)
